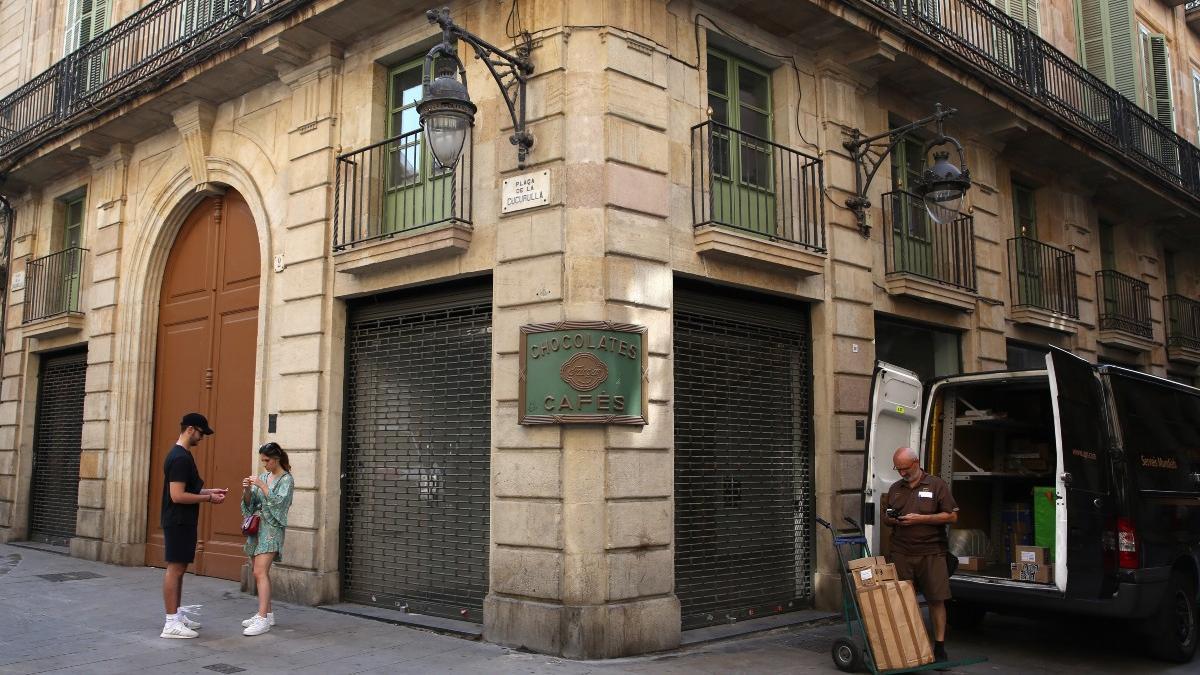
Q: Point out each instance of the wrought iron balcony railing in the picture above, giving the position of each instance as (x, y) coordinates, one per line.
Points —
(52, 284)
(914, 244)
(393, 187)
(1183, 321)
(748, 183)
(1042, 276)
(1124, 303)
(145, 50)
(1191, 5)
(982, 35)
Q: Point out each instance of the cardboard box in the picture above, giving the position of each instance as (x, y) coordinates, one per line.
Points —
(1040, 573)
(1031, 554)
(971, 563)
(871, 571)
(894, 626)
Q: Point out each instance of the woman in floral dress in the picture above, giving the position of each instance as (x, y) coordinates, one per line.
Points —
(268, 494)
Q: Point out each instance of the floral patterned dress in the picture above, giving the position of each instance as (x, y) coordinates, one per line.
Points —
(273, 511)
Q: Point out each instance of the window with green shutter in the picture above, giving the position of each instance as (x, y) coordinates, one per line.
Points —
(1026, 12)
(86, 20)
(1108, 43)
(1196, 101)
(1157, 97)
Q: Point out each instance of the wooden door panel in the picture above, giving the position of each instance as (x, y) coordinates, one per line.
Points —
(180, 348)
(206, 362)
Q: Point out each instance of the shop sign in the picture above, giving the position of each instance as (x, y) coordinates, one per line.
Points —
(583, 372)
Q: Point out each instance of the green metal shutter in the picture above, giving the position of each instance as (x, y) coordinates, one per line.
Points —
(1162, 97)
(417, 453)
(743, 457)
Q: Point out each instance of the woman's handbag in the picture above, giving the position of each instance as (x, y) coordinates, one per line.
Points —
(250, 525)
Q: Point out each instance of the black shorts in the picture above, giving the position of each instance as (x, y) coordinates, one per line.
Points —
(180, 543)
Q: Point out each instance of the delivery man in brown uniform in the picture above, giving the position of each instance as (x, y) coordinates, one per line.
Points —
(919, 507)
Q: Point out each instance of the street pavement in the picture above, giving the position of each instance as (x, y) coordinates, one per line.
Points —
(65, 615)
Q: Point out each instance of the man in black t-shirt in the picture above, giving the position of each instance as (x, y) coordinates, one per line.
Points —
(183, 490)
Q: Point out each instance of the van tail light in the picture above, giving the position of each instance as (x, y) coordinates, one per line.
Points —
(1127, 556)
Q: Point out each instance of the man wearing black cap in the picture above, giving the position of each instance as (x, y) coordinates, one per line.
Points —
(183, 492)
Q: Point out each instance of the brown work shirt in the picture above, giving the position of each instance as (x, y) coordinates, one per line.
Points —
(931, 495)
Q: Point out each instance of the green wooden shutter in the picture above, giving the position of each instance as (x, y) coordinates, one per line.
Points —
(1108, 43)
(1032, 16)
(71, 36)
(1160, 90)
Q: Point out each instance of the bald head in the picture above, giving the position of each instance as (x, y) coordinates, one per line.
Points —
(904, 456)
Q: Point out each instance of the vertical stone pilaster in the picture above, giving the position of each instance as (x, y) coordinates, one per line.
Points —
(107, 198)
(303, 326)
(595, 577)
(16, 442)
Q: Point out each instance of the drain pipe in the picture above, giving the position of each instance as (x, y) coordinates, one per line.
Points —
(7, 211)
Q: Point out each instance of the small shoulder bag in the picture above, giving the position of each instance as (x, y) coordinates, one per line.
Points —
(250, 524)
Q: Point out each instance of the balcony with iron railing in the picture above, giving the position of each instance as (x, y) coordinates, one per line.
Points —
(981, 36)
(1191, 12)
(1123, 311)
(755, 201)
(144, 51)
(1042, 284)
(1182, 318)
(926, 259)
(52, 293)
(393, 204)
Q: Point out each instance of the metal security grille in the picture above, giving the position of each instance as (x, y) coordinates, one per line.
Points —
(743, 459)
(416, 472)
(58, 429)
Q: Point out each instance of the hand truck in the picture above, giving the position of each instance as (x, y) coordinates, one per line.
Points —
(852, 652)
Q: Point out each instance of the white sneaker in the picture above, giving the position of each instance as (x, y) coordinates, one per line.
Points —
(175, 629)
(270, 619)
(258, 626)
(186, 621)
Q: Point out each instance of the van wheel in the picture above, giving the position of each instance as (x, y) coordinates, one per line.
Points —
(964, 614)
(1175, 626)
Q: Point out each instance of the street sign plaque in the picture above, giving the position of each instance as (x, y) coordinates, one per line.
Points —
(583, 372)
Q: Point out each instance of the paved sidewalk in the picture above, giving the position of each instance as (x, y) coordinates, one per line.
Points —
(65, 615)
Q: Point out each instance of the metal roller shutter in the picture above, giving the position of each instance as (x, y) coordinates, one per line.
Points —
(417, 449)
(58, 430)
(743, 458)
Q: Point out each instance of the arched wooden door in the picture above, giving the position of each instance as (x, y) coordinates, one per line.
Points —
(207, 330)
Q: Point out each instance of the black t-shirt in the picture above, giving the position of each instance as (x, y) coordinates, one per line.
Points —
(180, 467)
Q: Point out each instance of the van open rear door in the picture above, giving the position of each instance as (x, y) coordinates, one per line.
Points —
(895, 422)
(1082, 483)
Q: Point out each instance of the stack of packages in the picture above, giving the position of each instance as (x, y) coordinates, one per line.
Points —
(890, 615)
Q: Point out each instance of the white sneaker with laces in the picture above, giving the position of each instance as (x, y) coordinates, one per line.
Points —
(270, 619)
(176, 630)
(187, 621)
(258, 626)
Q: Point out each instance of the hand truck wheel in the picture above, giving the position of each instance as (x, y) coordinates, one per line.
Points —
(847, 654)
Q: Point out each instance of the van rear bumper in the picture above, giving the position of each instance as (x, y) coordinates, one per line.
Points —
(1137, 597)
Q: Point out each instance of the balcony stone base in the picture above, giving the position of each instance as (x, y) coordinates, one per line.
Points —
(63, 324)
(1189, 355)
(747, 249)
(920, 288)
(1034, 316)
(1122, 340)
(404, 248)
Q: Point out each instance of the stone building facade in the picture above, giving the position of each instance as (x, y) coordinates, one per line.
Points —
(376, 332)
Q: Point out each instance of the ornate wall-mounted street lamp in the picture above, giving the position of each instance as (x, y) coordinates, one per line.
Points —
(941, 186)
(446, 109)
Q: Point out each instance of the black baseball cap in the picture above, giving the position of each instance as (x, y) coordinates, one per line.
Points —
(196, 420)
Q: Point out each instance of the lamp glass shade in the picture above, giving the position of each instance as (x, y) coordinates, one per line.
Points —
(943, 189)
(446, 131)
